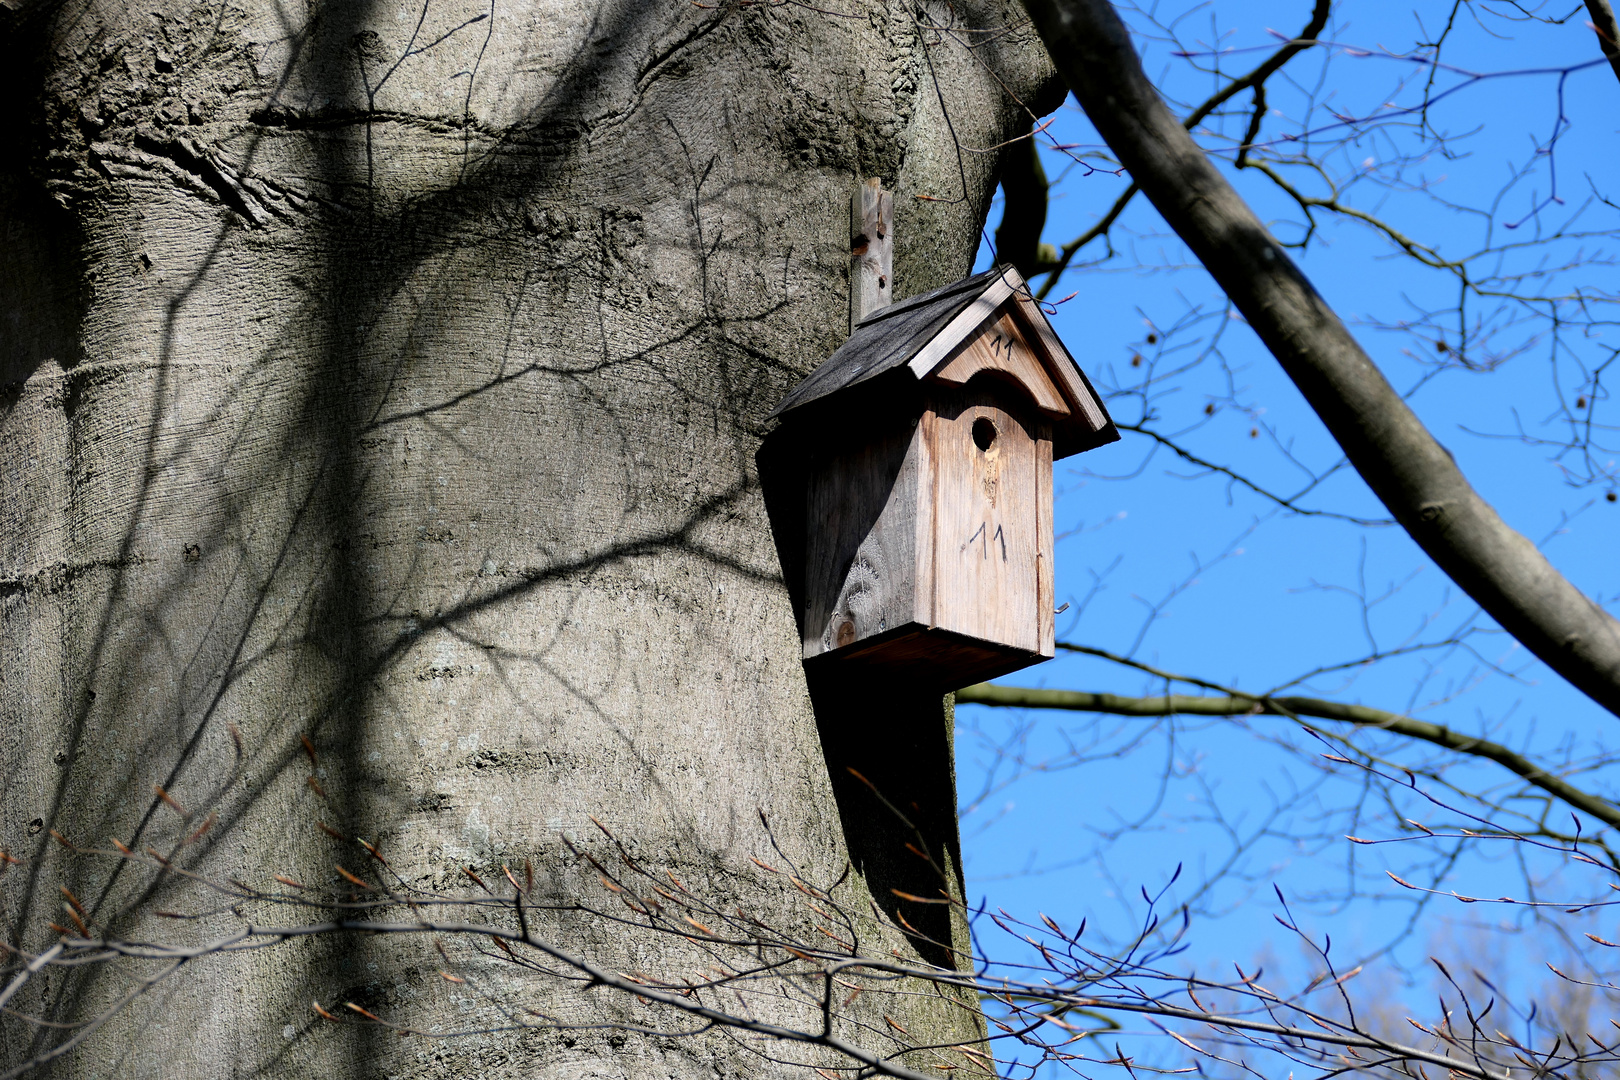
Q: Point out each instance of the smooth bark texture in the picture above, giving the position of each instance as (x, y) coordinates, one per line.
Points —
(390, 376)
(1395, 454)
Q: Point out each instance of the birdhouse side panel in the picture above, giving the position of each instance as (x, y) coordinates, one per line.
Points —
(861, 547)
(1046, 558)
(992, 540)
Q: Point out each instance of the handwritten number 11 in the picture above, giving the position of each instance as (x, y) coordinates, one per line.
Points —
(984, 541)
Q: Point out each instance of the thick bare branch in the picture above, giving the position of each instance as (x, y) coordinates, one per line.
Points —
(1023, 215)
(1022, 697)
(1255, 79)
(1608, 31)
(1397, 456)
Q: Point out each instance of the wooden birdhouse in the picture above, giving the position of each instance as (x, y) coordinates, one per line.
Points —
(924, 448)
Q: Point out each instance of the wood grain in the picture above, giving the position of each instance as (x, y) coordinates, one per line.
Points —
(1060, 363)
(871, 242)
(928, 554)
(987, 547)
(931, 355)
(1045, 597)
(1001, 347)
(861, 540)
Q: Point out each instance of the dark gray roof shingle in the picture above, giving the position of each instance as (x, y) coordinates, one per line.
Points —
(886, 339)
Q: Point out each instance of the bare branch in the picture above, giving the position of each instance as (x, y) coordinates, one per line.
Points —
(1294, 706)
(1414, 476)
(1255, 79)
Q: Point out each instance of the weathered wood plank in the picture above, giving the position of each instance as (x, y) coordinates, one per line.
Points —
(1046, 556)
(1001, 346)
(934, 658)
(1058, 361)
(871, 242)
(966, 322)
(987, 495)
(925, 525)
(860, 554)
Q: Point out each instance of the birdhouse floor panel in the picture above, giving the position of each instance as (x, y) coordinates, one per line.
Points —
(931, 657)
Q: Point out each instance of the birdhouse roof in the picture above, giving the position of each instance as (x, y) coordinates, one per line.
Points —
(919, 337)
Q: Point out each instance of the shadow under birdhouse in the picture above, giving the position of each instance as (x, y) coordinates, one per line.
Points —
(909, 487)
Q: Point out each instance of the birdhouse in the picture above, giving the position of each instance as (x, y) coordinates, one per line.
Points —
(924, 448)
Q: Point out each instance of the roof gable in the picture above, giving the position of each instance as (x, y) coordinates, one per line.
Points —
(1002, 348)
(924, 334)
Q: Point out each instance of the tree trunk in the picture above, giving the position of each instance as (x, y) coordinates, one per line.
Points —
(392, 378)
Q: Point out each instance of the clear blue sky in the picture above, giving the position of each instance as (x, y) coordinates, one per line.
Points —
(1253, 597)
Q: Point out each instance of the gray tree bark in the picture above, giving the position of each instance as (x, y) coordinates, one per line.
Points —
(1414, 476)
(1607, 29)
(392, 376)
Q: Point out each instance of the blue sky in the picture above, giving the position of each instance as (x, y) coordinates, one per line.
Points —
(1186, 571)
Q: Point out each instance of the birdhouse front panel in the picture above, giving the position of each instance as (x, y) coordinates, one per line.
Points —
(992, 523)
(932, 540)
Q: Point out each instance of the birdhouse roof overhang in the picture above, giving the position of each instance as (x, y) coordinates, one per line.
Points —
(921, 339)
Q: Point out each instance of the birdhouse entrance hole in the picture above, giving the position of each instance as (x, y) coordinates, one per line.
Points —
(984, 433)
